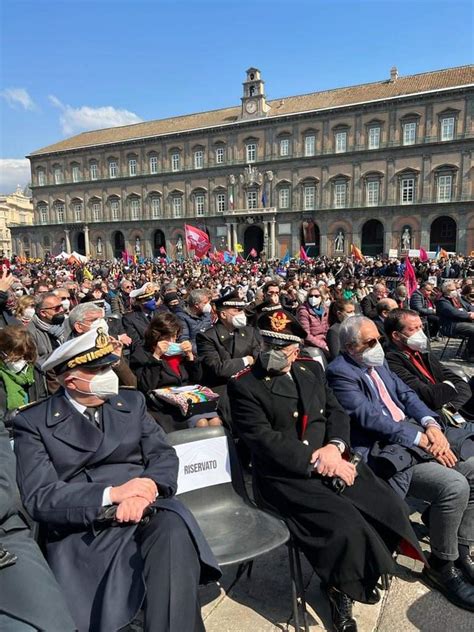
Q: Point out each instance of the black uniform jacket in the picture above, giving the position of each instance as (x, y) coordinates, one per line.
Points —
(64, 463)
(221, 352)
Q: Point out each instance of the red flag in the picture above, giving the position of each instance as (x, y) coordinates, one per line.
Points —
(163, 250)
(356, 253)
(409, 277)
(303, 255)
(253, 253)
(423, 255)
(197, 240)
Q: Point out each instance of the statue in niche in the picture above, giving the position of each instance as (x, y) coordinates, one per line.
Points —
(99, 245)
(138, 245)
(339, 241)
(309, 234)
(63, 245)
(406, 238)
(179, 246)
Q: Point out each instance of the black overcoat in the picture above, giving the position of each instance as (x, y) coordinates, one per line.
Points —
(64, 464)
(347, 538)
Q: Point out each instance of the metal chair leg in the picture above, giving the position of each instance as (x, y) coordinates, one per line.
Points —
(249, 569)
(300, 587)
(445, 347)
(460, 347)
(294, 590)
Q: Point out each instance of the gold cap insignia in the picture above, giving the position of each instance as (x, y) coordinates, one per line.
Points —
(279, 321)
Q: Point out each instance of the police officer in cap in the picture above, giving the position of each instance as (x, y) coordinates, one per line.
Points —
(97, 472)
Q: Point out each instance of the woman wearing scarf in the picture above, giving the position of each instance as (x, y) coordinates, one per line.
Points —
(20, 381)
(313, 317)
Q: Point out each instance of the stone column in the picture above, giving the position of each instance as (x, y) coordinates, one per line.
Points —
(234, 236)
(68, 241)
(229, 236)
(86, 240)
(273, 238)
(425, 232)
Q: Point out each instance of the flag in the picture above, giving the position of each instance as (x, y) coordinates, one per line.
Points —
(229, 257)
(163, 250)
(197, 240)
(356, 253)
(409, 277)
(303, 255)
(239, 248)
(253, 253)
(88, 274)
(231, 199)
(286, 258)
(264, 198)
(423, 255)
(443, 253)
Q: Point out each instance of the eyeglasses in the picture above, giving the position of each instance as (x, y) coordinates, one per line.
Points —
(370, 344)
(56, 308)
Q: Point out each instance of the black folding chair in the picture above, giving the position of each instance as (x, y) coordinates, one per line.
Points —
(236, 530)
(462, 341)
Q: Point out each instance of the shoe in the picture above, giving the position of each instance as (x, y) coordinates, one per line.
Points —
(451, 583)
(341, 610)
(465, 563)
(374, 597)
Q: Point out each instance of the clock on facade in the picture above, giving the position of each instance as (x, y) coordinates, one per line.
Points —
(251, 107)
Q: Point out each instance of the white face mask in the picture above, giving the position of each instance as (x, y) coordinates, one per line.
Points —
(417, 342)
(29, 313)
(15, 366)
(239, 320)
(453, 293)
(66, 303)
(373, 357)
(102, 323)
(18, 293)
(207, 309)
(103, 385)
(314, 301)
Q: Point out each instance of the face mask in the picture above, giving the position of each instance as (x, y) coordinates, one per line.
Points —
(29, 313)
(207, 309)
(174, 349)
(66, 303)
(102, 323)
(362, 285)
(453, 293)
(314, 301)
(274, 360)
(239, 320)
(103, 385)
(18, 292)
(57, 319)
(150, 305)
(15, 366)
(373, 357)
(344, 316)
(417, 342)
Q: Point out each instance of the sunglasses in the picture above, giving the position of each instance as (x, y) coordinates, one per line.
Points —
(370, 344)
(56, 308)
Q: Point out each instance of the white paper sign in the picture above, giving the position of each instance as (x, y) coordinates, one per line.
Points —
(393, 253)
(433, 280)
(203, 464)
(414, 252)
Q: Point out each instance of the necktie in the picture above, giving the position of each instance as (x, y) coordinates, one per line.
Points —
(396, 413)
(93, 415)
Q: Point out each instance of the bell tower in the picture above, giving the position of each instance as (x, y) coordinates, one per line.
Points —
(253, 101)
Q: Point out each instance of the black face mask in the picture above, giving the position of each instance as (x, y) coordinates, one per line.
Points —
(57, 319)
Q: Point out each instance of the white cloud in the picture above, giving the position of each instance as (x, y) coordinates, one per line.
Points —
(14, 172)
(18, 97)
(85, 118)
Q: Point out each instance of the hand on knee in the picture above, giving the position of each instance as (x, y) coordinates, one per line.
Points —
(202, 423)
(215, 421)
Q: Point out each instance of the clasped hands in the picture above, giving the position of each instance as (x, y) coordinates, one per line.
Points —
(328, 461)
(132, 498)
(435, 443)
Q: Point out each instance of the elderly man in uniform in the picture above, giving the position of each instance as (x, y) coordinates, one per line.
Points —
(97, 472)
(298, 436)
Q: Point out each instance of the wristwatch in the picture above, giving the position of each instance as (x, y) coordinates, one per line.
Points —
(340, 445)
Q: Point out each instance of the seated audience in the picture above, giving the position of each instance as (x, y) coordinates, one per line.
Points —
(313, 317)
(196, 317)
(400, 296)
(422, 301)
(136, 321)
(368, 304)
(25, 310)
(47, 325)
(338, 312)
(403, 441)
(454, 319)
(383, 308)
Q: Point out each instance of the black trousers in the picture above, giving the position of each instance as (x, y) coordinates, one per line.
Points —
(171, 571)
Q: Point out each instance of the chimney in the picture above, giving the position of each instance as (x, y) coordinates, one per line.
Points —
(393, 73)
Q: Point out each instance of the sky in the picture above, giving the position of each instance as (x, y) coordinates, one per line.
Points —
(67, 66)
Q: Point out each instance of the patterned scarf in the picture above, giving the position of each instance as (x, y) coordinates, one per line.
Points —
(55, 331)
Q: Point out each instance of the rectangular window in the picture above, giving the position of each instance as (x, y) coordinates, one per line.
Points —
(155, 207)
(409, 133)
(221, 202)
(252, 199)
(135, 209)
(93, 170)
(310, 145)
(374, 138)
(199, 205)
(284, 197)
(96, 212)
(175, 162)
(309, 195)
(285, 147)
(219, 155)
(177, 207)
(41, 179)
(341, 142)
(340, 194)
(407, 191)
(373, 189)
(113, 169)
(76, 174)
(251, 152)
(444, 188)
(77, 212)
(198, 159)
(60, 212)
(43, 215)
(115, 208)
(132, 167)
(447, 128)
(153, 164)
(58, 176)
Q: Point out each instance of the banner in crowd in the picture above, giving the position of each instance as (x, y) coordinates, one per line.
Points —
(197, 240)
(203, 464)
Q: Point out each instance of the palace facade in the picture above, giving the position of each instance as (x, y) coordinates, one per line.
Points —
(384, 165)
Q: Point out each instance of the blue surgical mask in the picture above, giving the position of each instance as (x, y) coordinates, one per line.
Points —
(173, 349)
(150, 305)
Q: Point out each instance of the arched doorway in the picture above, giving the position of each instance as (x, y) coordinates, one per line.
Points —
(118, 244)
(310, 238)
(159, 242)
(80, 243)
(443, 234)
(253, 239)
(372, 238)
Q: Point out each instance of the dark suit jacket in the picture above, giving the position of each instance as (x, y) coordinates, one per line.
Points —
(135, 324)
(368, 305)
(418, 304)
(450, 316)
(64, 465)
(221, 353)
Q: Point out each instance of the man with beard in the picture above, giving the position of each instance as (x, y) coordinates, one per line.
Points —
(46, 326)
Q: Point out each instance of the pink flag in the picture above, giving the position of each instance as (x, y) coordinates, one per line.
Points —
(410, 277)
(253, 253)
(163, 250)
(423, 255)
(303, 255)
(197, 240)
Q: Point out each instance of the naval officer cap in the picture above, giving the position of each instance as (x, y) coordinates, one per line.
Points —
(145, 291)
(92, 350)
(280, 328)
(232, 299)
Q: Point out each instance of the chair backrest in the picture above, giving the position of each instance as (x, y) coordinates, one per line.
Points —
(209, 470)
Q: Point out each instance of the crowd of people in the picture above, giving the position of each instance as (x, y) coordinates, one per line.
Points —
(306, 363)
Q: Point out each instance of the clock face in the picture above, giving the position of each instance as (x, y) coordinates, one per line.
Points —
(251, 107)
